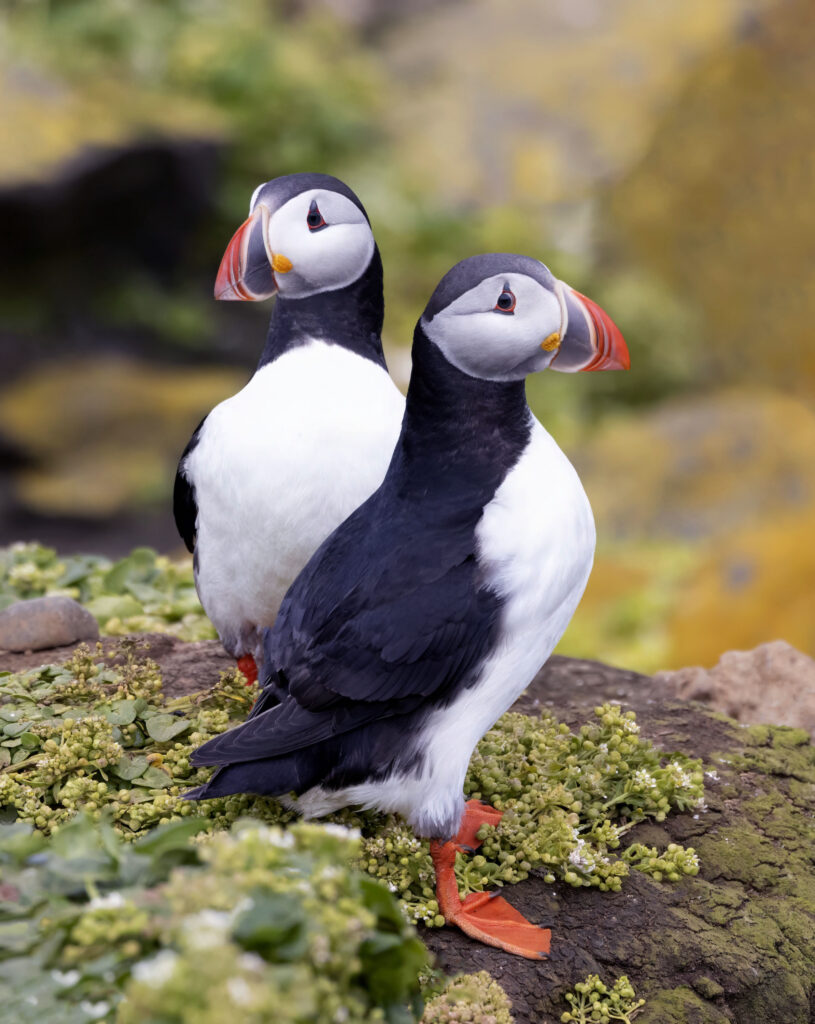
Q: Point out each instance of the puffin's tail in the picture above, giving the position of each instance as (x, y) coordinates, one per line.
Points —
(273, 776)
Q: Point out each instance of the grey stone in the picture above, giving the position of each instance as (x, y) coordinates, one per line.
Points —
(45, 622)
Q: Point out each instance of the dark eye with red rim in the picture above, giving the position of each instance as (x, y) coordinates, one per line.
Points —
(506, 302)
(315, 218)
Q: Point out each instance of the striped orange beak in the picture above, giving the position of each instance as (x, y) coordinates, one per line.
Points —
(246, 267)
(590, 339)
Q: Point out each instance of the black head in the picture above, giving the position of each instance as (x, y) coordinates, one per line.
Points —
(501, 316)
(305, 234)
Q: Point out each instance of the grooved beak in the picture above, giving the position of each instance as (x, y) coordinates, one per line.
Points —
(246, 267)
(590, 339)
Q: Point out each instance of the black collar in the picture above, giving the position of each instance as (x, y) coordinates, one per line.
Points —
(351, 317)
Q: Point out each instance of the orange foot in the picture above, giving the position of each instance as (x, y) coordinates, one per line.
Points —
(476, 814)
(484, 916)
(250, 670)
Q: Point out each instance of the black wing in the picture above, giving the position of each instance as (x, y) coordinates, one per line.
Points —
(185, 510)
(370, 630)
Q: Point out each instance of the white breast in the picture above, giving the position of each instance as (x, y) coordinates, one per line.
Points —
(277, 468)
(536, 545)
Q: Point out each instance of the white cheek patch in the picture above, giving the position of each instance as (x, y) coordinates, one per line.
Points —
(493, 345)
(324, 260)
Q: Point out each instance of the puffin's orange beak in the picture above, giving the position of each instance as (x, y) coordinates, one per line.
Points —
(246, 268)
(591, 340)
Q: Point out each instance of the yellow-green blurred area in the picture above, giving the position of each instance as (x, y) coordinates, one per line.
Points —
(660, 157)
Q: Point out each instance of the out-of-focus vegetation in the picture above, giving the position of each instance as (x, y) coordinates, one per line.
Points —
(654, 156)
(272, 925)
(141, 593)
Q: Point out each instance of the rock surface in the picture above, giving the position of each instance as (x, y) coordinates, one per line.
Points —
(734, 944)
(45, 622)
(773, 683)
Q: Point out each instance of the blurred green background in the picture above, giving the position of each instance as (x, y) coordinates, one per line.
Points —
(658, 157)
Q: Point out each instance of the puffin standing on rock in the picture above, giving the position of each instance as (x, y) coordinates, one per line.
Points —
(271, 471)
(429, 610)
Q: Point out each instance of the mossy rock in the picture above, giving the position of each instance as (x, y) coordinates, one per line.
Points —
(735, 943)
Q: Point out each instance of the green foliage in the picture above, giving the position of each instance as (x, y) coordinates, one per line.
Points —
(469, 999)
(290, 93)
(100, 737)
(269, 924)
(593, 1001)
(143, 592)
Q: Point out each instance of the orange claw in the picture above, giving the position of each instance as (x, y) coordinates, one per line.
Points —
(484, 916)
(250, 670)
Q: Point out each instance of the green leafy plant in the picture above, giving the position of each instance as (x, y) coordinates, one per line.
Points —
(592, 1001)
(98, 735)
(143, 592)
(469, 999)
(271, 924)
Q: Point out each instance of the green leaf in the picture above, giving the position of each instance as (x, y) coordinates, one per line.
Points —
(172, 837)
(30, 740)
(139, 565)
(130, 768)
(122, 712)
(154, 778)
(274, 925)
(165, 727)
(110, 606)
(15, 728)
(5, 757)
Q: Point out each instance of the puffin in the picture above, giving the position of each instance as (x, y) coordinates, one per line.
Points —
(271, 471)
(425, 615)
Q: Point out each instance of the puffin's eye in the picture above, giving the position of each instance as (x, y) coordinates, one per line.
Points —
(315, 218)
(506, 302)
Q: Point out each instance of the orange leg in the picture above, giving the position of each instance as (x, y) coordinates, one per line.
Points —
(247, 665)
(484, 916)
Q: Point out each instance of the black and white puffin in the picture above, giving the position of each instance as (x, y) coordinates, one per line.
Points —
(271, 471)
(429, 610)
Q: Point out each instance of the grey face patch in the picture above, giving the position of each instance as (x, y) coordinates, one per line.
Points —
(470, 272)
(279, 191)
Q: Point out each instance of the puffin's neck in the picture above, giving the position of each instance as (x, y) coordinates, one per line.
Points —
(460, 433)
(351, 317)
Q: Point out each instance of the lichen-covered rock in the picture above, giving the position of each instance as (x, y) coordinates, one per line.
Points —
(45, 622)
(773, 683)
(735, 943)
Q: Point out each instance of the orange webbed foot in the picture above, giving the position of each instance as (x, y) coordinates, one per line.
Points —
(484, 916)
(476, 814)
(488, 918)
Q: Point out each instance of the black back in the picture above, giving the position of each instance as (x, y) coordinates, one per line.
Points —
(391, 617)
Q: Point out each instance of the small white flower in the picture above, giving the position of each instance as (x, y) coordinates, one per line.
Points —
(278, 837)
(67, 979)
(110, 901)
(206, 929)
(94, 1009)
(239, 991)
(252, 962)
(644, 779)
(341, 831)
(630, 726)
(158, 970)
(714, 775)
